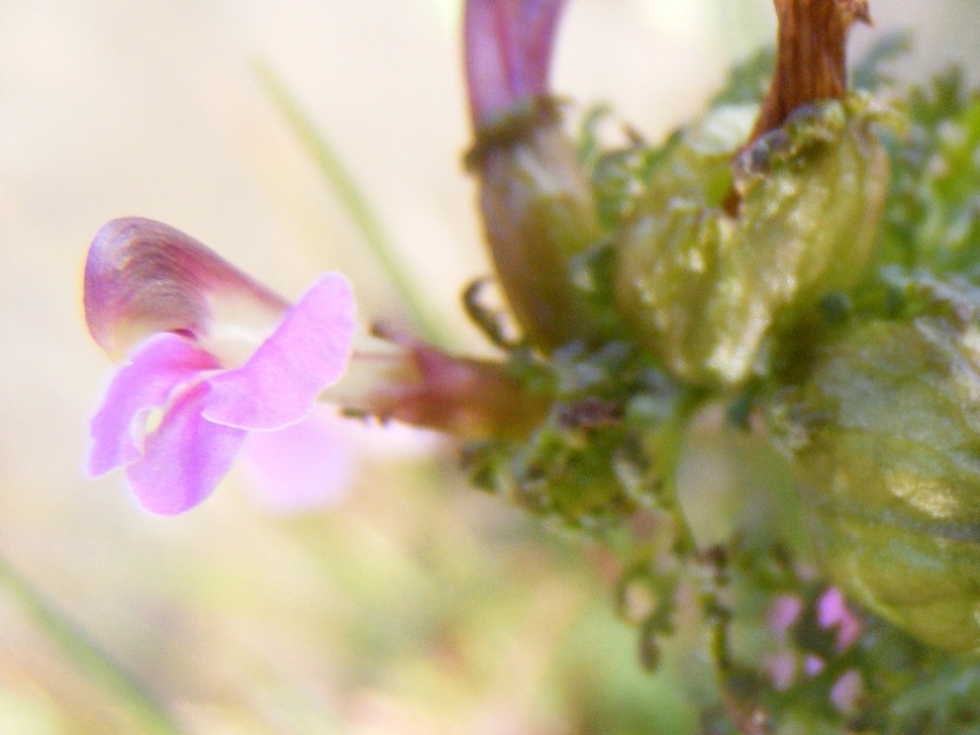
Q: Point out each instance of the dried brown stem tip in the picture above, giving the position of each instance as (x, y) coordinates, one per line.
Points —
(810, 56)
(811, 63)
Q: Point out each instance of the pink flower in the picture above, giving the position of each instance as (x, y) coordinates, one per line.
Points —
(847, 691)
(783, 613)
(833, 612)
(177, 414)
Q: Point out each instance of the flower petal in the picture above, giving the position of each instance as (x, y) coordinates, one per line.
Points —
(783, 613)
(160, 365)
(833, 612)
(309, 351)
(143, 277)
(302, 467)
(847, 691)
(508, 53)
(185, 458)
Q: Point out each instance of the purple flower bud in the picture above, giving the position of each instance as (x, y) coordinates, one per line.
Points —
(537, 206)
(508, 46)
(813, 665)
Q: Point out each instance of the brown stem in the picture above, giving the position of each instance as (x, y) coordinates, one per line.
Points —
(810, 56)
(811, 61)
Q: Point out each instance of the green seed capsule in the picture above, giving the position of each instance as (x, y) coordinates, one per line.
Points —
(885, 439)
(704, 288)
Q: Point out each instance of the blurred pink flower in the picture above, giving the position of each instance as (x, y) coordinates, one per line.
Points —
(847, 691)
(781, 667)
(813, 665)
(177, 414)
(783, 613)
(833, 612)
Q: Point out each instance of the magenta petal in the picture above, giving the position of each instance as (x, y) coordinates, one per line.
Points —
(309, 351)
(508, 52)
(161, 364)
(832, 611)
(302, 467)
(185, 458)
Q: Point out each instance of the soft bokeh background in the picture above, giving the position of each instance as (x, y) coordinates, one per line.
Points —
(415, 605)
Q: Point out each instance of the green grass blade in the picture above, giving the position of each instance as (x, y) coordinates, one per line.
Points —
(354, 202)
(97, 663)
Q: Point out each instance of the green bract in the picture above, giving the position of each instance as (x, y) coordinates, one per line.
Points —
(704, 288)
(885, 438)
(933, 214)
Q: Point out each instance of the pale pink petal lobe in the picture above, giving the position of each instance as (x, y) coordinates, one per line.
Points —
(309, 351)
(162, 363)
(185, 458)
(303, 467)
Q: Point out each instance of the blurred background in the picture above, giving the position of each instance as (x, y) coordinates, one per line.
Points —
(412, 604)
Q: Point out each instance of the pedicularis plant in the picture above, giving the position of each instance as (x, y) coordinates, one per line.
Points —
(810, 281)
